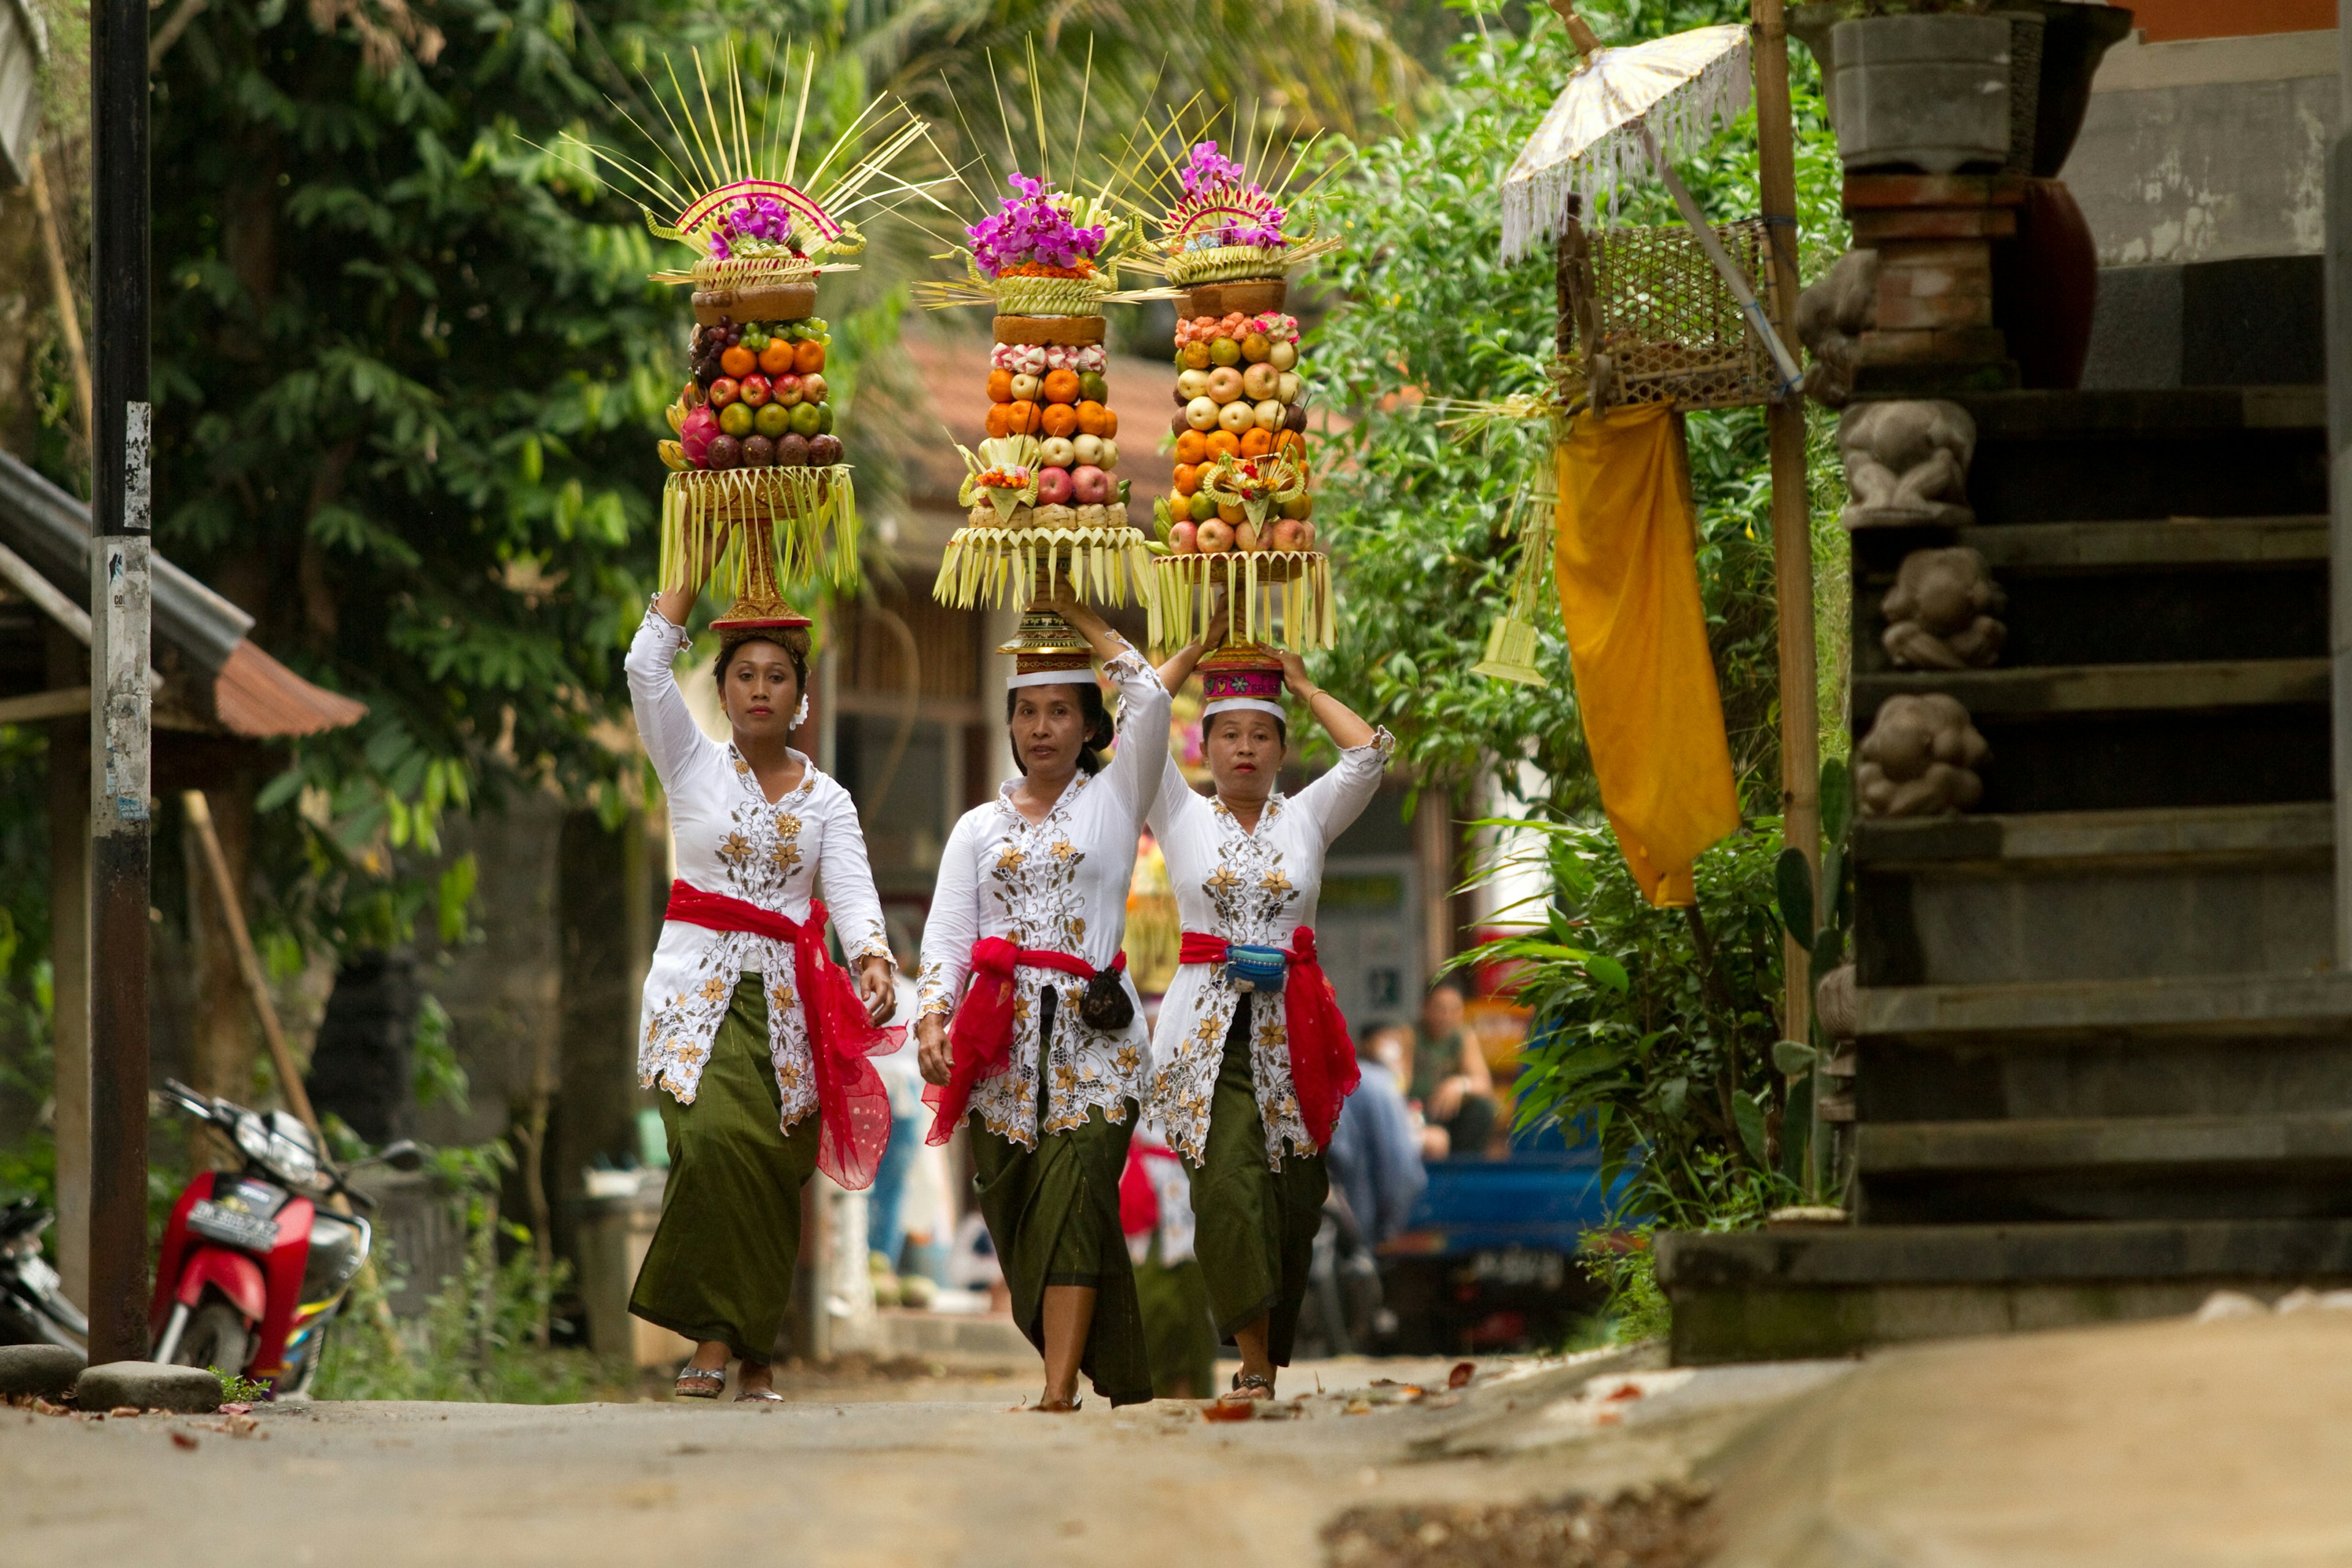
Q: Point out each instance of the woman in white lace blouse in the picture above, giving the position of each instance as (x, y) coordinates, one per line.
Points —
(1251, 1056)
(755, 1037)
(1048, 1050)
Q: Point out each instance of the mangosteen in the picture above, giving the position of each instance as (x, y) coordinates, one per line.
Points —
(792, 451)
(824, 451)
(1178, 425)
(759, 452)
(724, 452)
(1295, 416)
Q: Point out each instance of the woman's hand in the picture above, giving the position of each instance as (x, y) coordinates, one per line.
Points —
(1295, 678)
(1184, 660)
(874, 983)
(931, 1053)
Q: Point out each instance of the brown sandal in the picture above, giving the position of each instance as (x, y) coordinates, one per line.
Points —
(1244, 1382)
(700, 1382)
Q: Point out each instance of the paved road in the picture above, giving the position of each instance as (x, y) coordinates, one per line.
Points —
(864, 1477)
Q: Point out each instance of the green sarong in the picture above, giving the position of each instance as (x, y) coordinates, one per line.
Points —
(1255, 1228)
(1053, 1218)
(1176, 1326)
(720, 1263)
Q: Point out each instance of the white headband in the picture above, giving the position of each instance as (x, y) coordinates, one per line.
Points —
(1233, 704)
(1052, 678)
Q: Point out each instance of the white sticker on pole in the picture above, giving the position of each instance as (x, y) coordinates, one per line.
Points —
(138, 441)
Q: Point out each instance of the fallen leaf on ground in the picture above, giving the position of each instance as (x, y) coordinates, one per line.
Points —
(182, 1440)
(1463, 1371)
(1226, 1410)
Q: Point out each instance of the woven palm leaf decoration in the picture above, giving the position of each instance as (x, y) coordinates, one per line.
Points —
(759, 495)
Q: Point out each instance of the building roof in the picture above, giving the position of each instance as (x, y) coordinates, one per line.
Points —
(252, 694)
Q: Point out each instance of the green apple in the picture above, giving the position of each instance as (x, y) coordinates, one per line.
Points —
(1224, 350)
(1092, 388)
(736, 419)
(773, 420)
(1203, 508)
(825, 418)
(807, 419)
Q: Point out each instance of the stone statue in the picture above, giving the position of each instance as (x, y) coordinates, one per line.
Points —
(1832, 316)
(1939, 614)
(1907, 464)
(1920, 758)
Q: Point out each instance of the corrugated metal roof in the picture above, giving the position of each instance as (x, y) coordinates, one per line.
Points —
(253, 694)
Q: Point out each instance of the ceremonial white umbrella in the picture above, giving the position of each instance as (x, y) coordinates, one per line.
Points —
(1626, 109)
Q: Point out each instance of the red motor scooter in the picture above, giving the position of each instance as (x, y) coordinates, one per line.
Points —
(254, 1269)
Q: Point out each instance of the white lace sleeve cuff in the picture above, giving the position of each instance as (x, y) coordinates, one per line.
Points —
(663, 626)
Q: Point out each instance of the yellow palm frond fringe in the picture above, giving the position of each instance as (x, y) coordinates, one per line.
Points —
(1263, 588)
(812, 514)
(991, 565)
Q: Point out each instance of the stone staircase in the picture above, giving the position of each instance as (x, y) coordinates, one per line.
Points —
(2102, 1061)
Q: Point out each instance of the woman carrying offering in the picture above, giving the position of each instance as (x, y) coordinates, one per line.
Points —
(1047, 1051)
(759, 1037)
(1252, 1057)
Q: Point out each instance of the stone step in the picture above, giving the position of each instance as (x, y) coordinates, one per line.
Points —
(2278, 1166)
(2121, 737)
(2043, 1014)
(1782, 1295)
(2118, 455)
(2230, 1071)
(2063, 896)
(2054, 691)
(2192, 590)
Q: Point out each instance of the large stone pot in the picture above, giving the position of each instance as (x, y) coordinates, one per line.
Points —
(1926, 93)
(2074, 38)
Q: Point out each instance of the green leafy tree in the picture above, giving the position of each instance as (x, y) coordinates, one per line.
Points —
(1428, 521)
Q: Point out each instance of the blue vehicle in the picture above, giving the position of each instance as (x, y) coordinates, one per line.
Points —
(1488, 1262)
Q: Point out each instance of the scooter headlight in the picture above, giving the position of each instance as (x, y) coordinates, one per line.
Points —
(291, 1160)
(252, 1137)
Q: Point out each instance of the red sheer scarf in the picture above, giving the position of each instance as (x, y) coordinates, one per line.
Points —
(853, 1107)
(980, 1036)
(1323, 1071)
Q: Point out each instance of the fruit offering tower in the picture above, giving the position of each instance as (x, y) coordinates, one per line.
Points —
(1241, 514)
(1043, 496)
(759, 495)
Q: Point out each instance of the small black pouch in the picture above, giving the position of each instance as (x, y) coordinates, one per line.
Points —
(1107, 1007)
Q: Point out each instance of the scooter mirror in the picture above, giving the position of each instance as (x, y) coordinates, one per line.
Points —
(402, 1155)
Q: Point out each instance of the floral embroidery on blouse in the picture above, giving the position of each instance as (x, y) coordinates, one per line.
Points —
(1253, 898)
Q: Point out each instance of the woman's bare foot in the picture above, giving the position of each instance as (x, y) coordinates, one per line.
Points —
(755, 1379)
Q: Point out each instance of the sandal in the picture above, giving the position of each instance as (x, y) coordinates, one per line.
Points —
(1072, 1409)
(1244, 1382)
(700, 1382)
(761, 1396)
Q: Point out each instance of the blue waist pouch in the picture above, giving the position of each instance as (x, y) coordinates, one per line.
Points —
(1255, 968)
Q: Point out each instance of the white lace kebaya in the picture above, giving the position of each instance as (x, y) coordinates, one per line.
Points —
(732, 839)
(1060, 885)
(1254, 887)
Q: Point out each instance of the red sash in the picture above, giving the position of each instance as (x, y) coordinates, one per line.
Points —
(853, 1107)
(1323, 1071)
(980, 1036)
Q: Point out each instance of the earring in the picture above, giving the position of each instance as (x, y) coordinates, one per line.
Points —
(800, 714)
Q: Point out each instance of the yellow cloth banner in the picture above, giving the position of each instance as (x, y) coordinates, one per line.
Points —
(1626, 561)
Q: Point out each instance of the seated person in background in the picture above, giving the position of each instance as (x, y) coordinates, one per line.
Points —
(1375, 1152)
(1450, 1081)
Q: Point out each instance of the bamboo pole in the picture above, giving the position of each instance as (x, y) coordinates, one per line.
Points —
(282, 1056)
(1793, 538)
(61, 287)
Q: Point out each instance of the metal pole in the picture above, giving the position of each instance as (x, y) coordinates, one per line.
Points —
(1792, 521)
(120, 573)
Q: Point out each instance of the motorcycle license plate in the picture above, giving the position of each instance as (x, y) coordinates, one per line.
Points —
(251, 1232)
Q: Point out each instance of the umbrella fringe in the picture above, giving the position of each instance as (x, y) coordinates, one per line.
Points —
(1536, 203)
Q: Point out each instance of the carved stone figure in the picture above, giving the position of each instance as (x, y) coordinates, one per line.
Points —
(1940, 612)
(1920, 758)
(1832, 316)
(1835, 1005)
(1906, 463)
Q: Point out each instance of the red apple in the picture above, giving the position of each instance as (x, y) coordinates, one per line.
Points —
(724, 391)
(789, 389)
(1213, 537)
(1246, 536)
(1290, 534)
(1183, 538)
(1090, 485)
(753, 390)
(813, 388)
(1054, 487)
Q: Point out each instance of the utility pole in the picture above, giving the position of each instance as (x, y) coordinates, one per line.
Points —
(120, 573)
(1792, 511)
